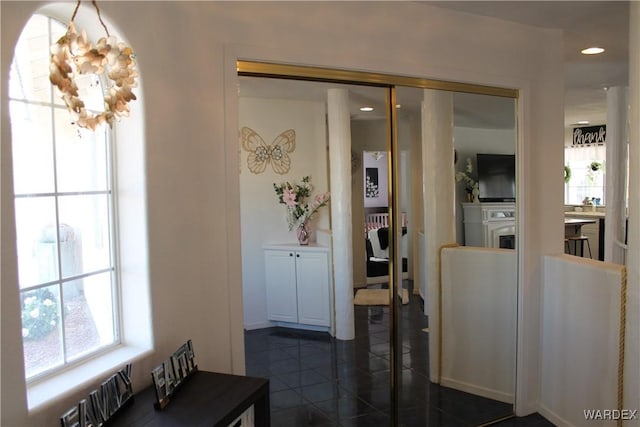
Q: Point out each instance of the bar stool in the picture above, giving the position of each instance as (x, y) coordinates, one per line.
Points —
(581, 240)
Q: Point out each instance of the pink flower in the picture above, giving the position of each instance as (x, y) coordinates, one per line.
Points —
(289, 197)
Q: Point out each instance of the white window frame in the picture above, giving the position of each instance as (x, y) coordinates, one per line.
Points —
(112, 226)
(579, 183)
(136, 315)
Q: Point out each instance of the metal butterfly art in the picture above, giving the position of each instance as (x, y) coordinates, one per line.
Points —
(261, 153)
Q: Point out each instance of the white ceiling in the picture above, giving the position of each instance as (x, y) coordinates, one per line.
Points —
(584, 24)
(471, 110)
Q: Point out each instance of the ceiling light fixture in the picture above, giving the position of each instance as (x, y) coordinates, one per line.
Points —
(377, 155)
(592, 50)
(366, 109)
(583, 122)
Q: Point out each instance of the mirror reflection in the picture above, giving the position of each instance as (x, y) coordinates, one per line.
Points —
(472, 350)
(315, 370)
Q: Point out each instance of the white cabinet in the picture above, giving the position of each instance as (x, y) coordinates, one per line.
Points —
(490, 225)
(281, 282)
(298, 284)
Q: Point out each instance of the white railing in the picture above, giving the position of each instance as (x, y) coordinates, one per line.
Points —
(379, 220)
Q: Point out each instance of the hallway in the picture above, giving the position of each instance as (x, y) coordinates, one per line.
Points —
(316, 380)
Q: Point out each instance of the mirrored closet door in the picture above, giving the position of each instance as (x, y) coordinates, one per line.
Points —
(364, 330)
(459, 345)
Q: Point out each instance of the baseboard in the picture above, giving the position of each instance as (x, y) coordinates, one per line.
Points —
(552, 417)
(305, 327)
(258, 325)
(530, 408)
(479, 391)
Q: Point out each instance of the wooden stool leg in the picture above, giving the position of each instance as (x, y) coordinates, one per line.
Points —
(588, 247)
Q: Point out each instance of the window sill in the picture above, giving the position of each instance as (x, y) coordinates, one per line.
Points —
(48, 391)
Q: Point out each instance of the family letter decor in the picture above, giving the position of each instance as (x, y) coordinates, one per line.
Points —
(172, 373)
(103, 403)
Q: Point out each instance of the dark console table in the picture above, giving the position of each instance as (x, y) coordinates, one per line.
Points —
(206, 399)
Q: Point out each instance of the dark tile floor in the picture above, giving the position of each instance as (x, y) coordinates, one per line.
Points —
(316, 380)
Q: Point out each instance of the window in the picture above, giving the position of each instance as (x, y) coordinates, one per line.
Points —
(64, 206)
(586, 164)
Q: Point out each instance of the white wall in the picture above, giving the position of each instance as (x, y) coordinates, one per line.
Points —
(479, 287)
(262, 216)
(187, 54)
(470, 141)
(580, 338)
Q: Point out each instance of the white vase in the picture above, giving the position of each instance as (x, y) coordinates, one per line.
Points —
(475, 194)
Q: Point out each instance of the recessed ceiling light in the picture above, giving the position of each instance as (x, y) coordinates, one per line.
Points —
(366, 108)
(398, 105)
(592, 50)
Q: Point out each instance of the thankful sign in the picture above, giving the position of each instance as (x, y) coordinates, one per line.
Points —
(172, 373)
(589, 135)
(103, 403)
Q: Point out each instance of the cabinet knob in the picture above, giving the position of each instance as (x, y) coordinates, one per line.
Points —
(290, 254)
(297, 255)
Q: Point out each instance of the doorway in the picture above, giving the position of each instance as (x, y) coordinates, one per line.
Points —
(394, 312)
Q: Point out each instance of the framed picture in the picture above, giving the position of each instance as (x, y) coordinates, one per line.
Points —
(371, 184)
(375, 176)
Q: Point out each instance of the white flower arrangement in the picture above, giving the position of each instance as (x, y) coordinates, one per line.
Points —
(73, 55)
(466, 177)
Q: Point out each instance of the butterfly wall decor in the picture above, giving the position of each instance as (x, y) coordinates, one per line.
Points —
(261, 154)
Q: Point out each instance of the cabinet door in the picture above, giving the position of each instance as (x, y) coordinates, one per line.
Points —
(312, 272)
(472, 219)
(280, 276)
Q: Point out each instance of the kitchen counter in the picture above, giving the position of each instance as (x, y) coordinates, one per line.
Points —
(585, 214)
